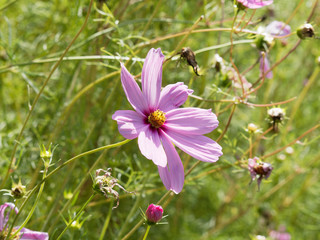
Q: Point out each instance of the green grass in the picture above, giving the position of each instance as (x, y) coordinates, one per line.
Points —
(74, 114)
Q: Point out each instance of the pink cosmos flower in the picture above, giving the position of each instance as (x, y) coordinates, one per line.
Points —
(160, 125)
(254, 4)
(24, 234)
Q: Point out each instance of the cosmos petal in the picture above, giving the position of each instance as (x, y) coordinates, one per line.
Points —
(3, 217)
(254, 4)
(198, 146)
(172, 176)
(151, 147)
(195, 121)
(130, 123)
(133, 92)
(265, 66)
(151, 78)
(173, 96)
(27, 234)
(277, 28)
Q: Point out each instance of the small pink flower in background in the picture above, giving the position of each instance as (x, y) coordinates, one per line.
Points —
(254, 4)
(24, 234)
(281, 234)
(160, 125)
(154, 214)
(274, 29)
(259, 169)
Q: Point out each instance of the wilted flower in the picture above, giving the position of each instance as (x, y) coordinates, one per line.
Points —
(159, 123)
(253, 4)
(259, 169)
(305, 31)
(105, 183)
(265, 39)
(24, 234)
(154, 214)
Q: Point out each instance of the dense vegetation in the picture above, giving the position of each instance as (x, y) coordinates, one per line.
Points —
(69, 104)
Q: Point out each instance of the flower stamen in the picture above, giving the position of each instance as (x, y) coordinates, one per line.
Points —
(157, 118)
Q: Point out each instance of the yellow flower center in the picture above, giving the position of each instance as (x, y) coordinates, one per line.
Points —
(157, 118)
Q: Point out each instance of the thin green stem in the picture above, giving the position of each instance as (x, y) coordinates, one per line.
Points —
(146, 233)
(85, 154)
(74, 193)
(31, 211)
(106, 223)
(80, 211)
(39, 94)
(75, 98)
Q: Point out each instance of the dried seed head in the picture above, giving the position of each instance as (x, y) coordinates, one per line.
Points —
(105, 183)
(305, 31)
(18, 190)
(276, 114)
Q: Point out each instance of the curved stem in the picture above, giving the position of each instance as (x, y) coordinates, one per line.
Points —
(291, 143)
(80, 211)
(31, 211)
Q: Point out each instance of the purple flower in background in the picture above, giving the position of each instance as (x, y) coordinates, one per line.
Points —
(274, 29)
(265, 66)
(277, 28)
(259, 169)
(280, 235)
(254, 4)
(160, 125)
(154, 214)
(24, 234)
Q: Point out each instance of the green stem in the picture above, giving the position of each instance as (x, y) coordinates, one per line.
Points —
(147, 232)
(87, 153)
(39, 94)
(80, 211)
(31, 211)
(106, 223)
(64, 164)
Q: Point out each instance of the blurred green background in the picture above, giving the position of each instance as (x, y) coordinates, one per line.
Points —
(74, 113)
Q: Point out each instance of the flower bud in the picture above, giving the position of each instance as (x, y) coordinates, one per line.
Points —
(154, 214)
(252, 128)
(305, 31)
(45, 154)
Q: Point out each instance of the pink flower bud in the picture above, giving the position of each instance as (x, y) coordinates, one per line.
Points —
(154, 214)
